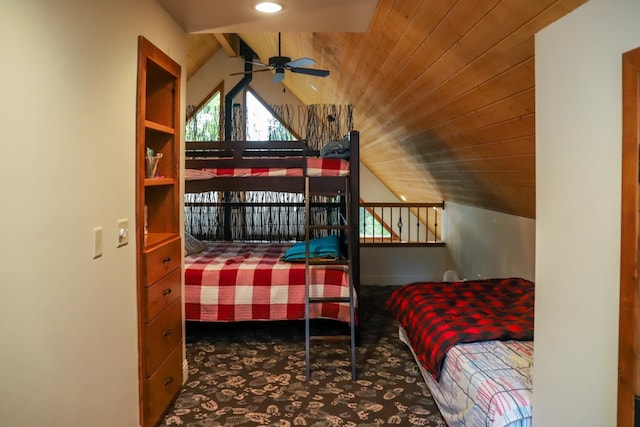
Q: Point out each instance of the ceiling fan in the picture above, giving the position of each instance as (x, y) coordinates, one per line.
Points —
(281, 63)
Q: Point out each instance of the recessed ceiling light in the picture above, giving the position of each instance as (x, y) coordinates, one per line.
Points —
(268, 7)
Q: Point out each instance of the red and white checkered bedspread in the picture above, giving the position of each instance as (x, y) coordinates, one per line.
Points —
(316, 166)
(247, 281)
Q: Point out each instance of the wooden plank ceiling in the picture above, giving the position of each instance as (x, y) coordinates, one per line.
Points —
(443, 95)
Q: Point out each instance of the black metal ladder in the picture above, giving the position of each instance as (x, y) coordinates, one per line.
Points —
(343, 226)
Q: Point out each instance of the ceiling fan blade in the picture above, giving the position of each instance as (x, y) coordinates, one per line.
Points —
(249, 72)
(278, 77)
(302, 62)
(256, 63)
(310, 71)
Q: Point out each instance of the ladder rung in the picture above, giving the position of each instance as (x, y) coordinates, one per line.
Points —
(329, 262)
(313, 300)
(330, 338)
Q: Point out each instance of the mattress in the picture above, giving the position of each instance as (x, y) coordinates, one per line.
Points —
(316, 166)
(487, 383)
(438, 315)
(249, 281)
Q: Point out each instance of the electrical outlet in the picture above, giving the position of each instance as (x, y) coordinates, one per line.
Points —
(97, 242)
(123, 232)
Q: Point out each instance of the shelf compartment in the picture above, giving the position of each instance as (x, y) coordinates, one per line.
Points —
(162, 143)
(150, 182)
(159, 127)
(161, 211)
(160, 90)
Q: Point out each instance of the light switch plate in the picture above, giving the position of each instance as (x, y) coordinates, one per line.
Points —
(97, 242)
(123, 231)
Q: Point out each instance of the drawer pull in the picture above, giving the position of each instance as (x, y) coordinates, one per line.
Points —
(168, 381)
(166, 261)
(166, 292)
(168, 332)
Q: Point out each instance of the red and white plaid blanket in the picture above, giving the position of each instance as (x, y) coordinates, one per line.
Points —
(247, 281)
(316, 166)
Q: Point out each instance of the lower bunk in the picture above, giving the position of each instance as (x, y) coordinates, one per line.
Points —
(473, 343)
(246, 281)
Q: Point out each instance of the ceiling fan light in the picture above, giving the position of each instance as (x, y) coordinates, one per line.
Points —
(268, 7)
(278, 76)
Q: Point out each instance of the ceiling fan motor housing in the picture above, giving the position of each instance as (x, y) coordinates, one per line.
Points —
(279, 61)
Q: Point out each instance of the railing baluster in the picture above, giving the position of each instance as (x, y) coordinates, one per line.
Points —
(435, 227)
(408, 214)
(418, 226)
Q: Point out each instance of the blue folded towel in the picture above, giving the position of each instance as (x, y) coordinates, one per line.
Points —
(324, 247)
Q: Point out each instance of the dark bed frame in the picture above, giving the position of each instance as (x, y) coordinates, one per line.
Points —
(278, 154)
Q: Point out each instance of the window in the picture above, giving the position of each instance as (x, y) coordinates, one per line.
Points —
(262, 124)
(283, 221)
(205, 123)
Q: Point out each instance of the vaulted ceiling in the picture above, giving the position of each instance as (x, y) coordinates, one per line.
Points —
(443, 94)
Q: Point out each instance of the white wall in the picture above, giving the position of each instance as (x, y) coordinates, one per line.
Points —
(479, 244)
(578, 172)
(211, 74)
(68, 322)
(487, 244)
(397, 266)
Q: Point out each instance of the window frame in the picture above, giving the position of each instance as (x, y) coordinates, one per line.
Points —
(269, 109)
(218, 89)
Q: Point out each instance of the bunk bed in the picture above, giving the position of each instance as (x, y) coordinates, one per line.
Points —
(473, 344)
(246, 281)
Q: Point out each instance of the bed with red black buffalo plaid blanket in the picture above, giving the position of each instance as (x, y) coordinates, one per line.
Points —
(438, 315)
(248, 281)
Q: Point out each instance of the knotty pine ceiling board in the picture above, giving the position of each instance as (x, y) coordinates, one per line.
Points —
(508, 147)
(443, 94)
(201, 47)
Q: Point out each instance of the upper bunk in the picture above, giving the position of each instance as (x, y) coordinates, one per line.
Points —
(269, 166)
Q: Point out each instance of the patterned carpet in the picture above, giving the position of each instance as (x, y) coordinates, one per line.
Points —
(253, 374)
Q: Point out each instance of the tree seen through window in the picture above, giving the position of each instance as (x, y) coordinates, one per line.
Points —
(262, 125)
(205, 124)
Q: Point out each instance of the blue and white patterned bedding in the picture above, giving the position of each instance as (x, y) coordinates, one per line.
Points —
(487, 383)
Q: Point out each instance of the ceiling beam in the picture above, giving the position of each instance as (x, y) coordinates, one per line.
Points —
(229, 42)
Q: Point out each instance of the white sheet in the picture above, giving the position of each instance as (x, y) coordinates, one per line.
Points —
(487, 383)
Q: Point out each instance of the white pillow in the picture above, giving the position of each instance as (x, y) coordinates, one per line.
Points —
(450, 276)
(192, 245)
